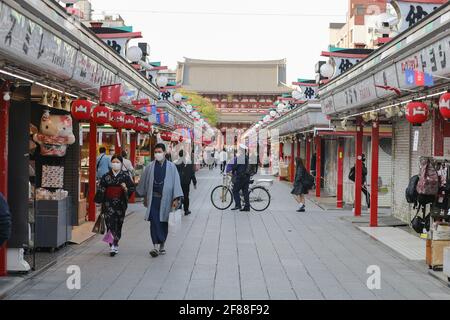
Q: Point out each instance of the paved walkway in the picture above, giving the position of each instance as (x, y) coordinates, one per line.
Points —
(279, 254)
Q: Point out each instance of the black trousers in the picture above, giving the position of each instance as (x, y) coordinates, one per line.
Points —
(241, 184)
(186, 189)
(223, 165)
(367, 194)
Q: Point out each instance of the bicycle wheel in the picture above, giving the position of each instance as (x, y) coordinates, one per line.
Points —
(259, 198)
(221, 197)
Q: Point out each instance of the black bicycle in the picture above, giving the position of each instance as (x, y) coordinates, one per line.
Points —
(259, 195)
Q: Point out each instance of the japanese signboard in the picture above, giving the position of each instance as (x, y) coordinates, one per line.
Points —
(410, 13)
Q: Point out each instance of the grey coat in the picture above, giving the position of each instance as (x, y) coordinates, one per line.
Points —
(171, 191)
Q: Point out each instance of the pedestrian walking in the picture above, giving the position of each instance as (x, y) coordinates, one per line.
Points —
(115, 187)
(186, 170)
(352, 177)
(127, 165)
(5, 220)
(241, 178)
(161, 188)
(103, 163)
(302, 184)
(223, 160)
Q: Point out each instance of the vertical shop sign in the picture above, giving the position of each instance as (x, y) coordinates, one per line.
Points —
(416, 141)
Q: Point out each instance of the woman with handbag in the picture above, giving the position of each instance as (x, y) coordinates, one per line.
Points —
(114, 189)
(300, 187)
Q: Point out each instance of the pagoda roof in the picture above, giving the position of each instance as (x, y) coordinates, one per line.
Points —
(233, 77)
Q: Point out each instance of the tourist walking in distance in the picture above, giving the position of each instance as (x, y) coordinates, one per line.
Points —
(186, 171)
(161, 188)
(300, 186)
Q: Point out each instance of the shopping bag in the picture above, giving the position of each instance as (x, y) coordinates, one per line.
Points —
(99, 226)
(108, 238)
(175, 220)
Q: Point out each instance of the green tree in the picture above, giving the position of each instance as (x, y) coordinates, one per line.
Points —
(203, 105)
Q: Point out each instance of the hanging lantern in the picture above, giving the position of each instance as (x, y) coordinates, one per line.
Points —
(117, 119)
(273, 113)
(141, 125)
(81, 109)
(130, 122)
(166, 135)
(148, 126)
(417, 112)
(444, 105)
(100, 114)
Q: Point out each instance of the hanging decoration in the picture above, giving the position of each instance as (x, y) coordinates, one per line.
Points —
(141, 125)
(100, 114)
(417, 112)
(117, 119)
(81, 109)
(130, 122)
(444, 105)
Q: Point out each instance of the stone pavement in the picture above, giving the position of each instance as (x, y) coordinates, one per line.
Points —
(278, 254)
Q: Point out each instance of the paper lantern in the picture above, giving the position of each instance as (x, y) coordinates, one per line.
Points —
(444, 105)
(273, 113)
(417, 112)
(326, 70)
(81, 109)
(100, 114)
(117, 119)
(134, 54)
(166, 135)
(130, 122)
(141, 125)
(177, 97)
(162, 81)
(297, 95)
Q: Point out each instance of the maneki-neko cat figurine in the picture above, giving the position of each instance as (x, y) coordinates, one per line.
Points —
(55, 134)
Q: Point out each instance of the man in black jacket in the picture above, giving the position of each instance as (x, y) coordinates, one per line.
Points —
(239, 169)
(186, 171)
(5, 220)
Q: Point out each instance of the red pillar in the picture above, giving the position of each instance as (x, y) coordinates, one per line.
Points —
(358, 166)
(318, 143)
(117, 148)
(340, 174)
(92, 169)
(4, 124)
(292, 161)
(374, 175)
(133, 144)
(308, 153)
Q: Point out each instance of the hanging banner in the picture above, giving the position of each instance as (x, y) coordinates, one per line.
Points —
(128, 137)
(110, 94)
(80, 137)
(118, 137)
(100, 137)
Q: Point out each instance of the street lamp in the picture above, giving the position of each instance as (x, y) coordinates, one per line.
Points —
(177, 97)
(327, 70)
(134, 54)
(162, 81)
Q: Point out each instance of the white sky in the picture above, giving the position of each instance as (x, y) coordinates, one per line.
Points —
(299, 39)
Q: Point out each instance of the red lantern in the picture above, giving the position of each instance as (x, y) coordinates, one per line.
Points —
(81, 109)
(100, 114)
(147, 126)
(130, 122)
(117, 119)
(417, 112)
(166, 136)
(141, 125)
(444, 105)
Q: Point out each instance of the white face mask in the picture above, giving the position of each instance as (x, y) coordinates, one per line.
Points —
(159, 156)
(116, 166)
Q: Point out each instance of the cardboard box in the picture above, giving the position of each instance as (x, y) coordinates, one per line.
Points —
(447, 262)
(82, 211)
(437, 252)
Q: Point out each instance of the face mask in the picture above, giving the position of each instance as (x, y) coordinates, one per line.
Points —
(116, 166)
(159, 156)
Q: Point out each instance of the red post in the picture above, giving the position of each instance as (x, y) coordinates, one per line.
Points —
(92, 169)
(358, 166)
(374, 175)
(4, 124)
(318, 143)
(292, 161)
(308, 153)
(117, 147)
(133, 144)
(340, 174)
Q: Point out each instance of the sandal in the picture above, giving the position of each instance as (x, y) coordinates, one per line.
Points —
(154, 253)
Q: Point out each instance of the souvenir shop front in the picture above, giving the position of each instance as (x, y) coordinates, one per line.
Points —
(403, 85)
(45, 72)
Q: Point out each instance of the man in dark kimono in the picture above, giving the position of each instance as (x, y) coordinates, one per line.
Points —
(186, 171)
(160, 186)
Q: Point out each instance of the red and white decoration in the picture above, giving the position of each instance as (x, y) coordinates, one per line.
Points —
(130, 122)
(81, 109)
(100, 114)
(417, 112)
(141, 125)
(117, 119)
(444, 105)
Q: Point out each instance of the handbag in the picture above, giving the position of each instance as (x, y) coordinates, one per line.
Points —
(108, 238)
(175, 220)
(100, 225)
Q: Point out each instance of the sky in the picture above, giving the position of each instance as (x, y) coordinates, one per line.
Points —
(244, 30)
